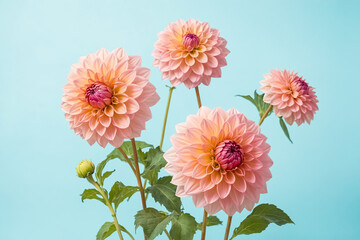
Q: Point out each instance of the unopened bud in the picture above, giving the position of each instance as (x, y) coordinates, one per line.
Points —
(85, 168)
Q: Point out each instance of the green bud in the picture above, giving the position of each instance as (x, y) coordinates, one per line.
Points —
(85, 168)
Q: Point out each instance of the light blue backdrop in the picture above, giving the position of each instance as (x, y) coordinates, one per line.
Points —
(316, 180)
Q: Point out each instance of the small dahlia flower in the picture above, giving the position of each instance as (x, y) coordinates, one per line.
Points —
(108, 97)
(190, 52)
(220, 159)
(291, 97)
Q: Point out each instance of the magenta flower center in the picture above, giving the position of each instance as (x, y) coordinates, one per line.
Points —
(302, 85)
(191, 41)
(98, 95)
(229, 154)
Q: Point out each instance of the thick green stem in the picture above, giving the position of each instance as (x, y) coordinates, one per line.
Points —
(228, 228)
(265, 115)
(166, 116)
(108, 204)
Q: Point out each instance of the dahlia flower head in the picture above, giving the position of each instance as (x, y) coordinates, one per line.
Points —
(190, 52)
(220, 159)
(291, 97)
(108, 97)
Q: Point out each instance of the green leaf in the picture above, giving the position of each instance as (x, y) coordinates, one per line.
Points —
(127, 148)
(163, 192)
(284, 128)
(154, 162)
(152, 221)
(109, 228)
(184, 227)
(260, 218)
(258, 102)
(211, 221)
(108, 174)
(99, 169)
(119, 192)
(106, 230)
(92, 194)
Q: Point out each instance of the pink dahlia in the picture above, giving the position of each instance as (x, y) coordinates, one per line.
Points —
(291, 97)
(220, 158)
(190, 52)
(108, 97)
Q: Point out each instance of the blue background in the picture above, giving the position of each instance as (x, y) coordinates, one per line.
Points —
(316, 180)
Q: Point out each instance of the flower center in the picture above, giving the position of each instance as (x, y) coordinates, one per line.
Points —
(191, 41)
(98, 95)
(229, 154)
(299, 87)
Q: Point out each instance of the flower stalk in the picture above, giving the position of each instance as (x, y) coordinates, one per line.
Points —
(203, 229)
(226, 237)
(108, 204)
(166, 116)
(198, 96)
(265, 115)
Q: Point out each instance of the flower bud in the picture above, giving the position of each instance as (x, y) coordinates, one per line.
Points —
(85, 168)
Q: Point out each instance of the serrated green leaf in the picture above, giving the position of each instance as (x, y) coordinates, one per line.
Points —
(119, 192)
(284, 128)
(163, 192)
(183, 227)
(154, 162)
(105, 231)
(260, 218)
(109, 228)
(127, 148)
(247, 97)
(258, 102)
(152, 221)
(92, 194)
(211, 221)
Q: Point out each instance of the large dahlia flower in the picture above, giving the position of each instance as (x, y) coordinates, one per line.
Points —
(291, 97)
(220, 159)
(190, 52)
(108, 97)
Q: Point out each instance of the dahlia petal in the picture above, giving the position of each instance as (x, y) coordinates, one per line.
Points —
(132, 106)
(121, 121)
(223, 189)
(199, 171)
(105, 120)
(198, 68)
(229, 177)
(192, 186)
(134, 61)
(216, 177)
(211, 195)
(240, 184)
(199, 200)
(134, 91)
(213, 208)
(202, 58)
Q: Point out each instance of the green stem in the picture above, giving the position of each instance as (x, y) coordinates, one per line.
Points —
(226, 237)
(265, 115)
(167, 234)
(138, 177)
(203, 229)
(128, 160)
(108, 204)
(166, 116)
(198, 96)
